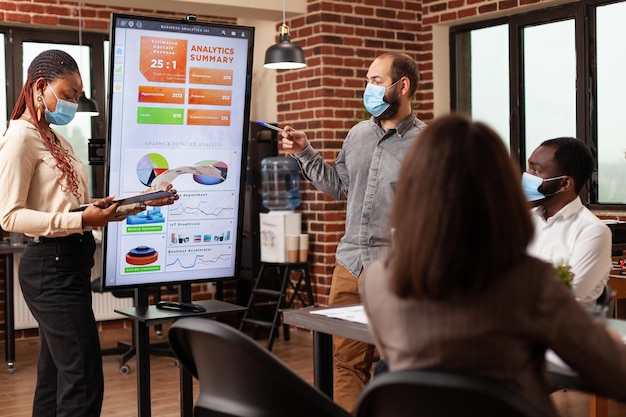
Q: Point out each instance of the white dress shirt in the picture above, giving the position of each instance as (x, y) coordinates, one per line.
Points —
(575, 236)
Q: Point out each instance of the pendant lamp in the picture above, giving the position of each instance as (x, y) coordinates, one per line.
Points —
(284, 54)
(86, 106)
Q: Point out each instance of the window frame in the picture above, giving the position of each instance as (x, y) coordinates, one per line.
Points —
(583, 14)
(16, 36)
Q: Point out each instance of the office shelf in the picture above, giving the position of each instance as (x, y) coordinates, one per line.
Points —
(270, 294)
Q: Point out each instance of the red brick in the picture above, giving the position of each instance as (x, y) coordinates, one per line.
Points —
(8, 5)
(364, 11)
(488, 8)
(507, 4)
(30, 7)
(45, 20)
(468, 12)
(438, 7)
(448, 16)
(18, 17)
(58, 10)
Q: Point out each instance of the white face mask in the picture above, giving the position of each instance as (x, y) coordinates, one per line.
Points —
(63, 113)
(374, 98)
(531, 184)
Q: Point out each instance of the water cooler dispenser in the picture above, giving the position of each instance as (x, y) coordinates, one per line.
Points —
(280, 184)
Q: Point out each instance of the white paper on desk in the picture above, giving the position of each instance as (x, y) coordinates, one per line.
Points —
(349, 313)
(164, 179)
(555, 360)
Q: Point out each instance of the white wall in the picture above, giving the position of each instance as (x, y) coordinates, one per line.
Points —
(263, 100)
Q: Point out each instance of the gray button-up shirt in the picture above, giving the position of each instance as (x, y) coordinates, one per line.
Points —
(368, 162)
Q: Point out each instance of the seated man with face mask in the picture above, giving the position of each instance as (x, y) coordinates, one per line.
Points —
(566, 232)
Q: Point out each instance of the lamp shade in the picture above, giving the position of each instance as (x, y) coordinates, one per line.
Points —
(87, 106)
(284, 54)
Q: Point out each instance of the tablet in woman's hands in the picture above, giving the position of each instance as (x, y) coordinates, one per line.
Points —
(136, 198)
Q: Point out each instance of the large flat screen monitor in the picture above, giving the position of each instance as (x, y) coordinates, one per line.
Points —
(178, 112)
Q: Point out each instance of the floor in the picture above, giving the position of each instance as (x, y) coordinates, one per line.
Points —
(16, 390)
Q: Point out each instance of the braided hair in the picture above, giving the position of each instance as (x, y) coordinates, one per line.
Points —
(49, 65)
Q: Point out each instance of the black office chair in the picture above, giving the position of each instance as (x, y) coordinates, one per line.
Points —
(607, 300)
(240, 378)
(428, 393)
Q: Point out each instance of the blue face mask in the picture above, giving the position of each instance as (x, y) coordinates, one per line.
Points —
(63, 113)
(531, 184)
(374, 98)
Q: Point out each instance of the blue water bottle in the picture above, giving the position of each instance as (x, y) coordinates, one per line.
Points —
(280, 183)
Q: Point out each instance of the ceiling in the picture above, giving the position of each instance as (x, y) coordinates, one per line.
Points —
(270, 10)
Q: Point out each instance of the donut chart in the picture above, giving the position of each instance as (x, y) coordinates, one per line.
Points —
(142, 255)
(222, 167)
(150, 166)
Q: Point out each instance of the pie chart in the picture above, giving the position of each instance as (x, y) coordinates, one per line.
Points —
(150, 166)
(208, 180)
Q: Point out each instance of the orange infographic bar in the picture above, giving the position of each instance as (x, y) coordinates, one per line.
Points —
(210, 97)
(208, 117)
(169, 95)
(163, 59)
(210, 76)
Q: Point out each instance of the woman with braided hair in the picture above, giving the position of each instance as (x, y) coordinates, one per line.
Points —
(41, 180)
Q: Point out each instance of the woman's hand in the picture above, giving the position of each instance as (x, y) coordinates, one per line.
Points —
(100, 212)
(166, 201)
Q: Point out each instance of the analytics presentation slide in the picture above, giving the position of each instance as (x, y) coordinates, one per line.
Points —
(179, 112)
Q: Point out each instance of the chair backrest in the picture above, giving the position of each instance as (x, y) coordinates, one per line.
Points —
(427, 393)
(238, 377)
(606, 301)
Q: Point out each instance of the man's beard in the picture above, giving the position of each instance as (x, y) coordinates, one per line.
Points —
(549, 190)
(394, 105)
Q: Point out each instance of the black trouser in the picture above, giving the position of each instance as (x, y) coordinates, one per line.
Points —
(55, 278)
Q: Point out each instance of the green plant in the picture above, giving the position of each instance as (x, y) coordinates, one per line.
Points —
(563, 271)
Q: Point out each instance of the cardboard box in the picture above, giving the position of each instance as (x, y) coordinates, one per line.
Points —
(275, 225)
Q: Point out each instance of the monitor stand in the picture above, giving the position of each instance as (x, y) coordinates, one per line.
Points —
(145, 315)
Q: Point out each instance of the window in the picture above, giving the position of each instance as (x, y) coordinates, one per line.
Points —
(561, 78)
(549, 92)
(79, 129)
(487, 76)
(611, 88)
(3, 79)
(90, 56)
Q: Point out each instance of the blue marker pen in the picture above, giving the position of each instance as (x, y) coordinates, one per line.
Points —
(269, 126)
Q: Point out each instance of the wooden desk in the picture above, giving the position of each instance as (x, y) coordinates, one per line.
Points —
(325, 327)
(145, 316)
(598, 406)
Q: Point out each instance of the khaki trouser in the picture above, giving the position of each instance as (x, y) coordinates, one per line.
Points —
(353, 360)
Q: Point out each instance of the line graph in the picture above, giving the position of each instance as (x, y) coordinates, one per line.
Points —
(192, 206)
(203, 209)
(198, 261)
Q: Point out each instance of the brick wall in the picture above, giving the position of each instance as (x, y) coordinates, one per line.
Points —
(340, 38)
(56, 14)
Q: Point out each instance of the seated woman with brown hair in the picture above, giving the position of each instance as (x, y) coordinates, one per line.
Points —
(457, 291)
